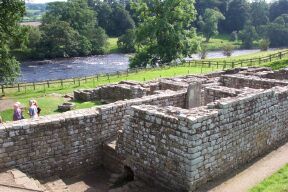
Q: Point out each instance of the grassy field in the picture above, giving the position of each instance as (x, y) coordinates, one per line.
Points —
(276, 183)
(112, 45)
(247, 56)
(217, 42)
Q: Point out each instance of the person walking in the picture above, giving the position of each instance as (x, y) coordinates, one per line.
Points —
(33, 112)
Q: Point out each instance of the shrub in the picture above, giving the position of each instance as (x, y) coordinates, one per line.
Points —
(203, 52)
(264, 44)
(234, 36)
(228, 50)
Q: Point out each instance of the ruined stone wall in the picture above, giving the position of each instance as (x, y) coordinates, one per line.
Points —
(111, 93)
(66, 143)
(214, 93)
(182, 149)
(240, 81)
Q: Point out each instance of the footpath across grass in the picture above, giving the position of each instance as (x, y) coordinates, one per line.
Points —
(278, 182)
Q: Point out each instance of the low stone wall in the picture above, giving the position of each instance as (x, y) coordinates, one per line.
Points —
(111, 93)
(66, 143)
(182, 149)
(240, 81)
(214, 93)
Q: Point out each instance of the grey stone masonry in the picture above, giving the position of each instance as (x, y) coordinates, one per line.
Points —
(182, 149)
(69, 142)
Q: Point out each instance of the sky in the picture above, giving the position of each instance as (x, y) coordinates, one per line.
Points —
(41, 1)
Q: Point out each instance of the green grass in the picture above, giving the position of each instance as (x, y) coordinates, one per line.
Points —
(276, 65)
(112, 45)
(278, 182)
(247, 56)
(48, 105)
(217, 42)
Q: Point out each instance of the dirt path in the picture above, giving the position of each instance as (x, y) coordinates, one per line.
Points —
(6, 104)
(256, 172)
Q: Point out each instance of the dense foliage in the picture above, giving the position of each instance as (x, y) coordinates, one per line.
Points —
(11, 12)
(209, 23)
(164, 33)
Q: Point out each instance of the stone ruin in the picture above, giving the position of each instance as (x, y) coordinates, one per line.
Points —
(178, 133)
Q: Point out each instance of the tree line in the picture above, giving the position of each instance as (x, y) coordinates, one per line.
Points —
(158, 31)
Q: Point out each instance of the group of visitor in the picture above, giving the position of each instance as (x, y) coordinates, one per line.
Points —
(34, 110)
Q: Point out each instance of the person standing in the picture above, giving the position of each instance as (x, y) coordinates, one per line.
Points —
(33, 112)
(17, 115)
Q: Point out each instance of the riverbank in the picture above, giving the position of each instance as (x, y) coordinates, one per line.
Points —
(102, 64)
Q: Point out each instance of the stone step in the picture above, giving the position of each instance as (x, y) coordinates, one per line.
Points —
(55, 184)
(15, 180)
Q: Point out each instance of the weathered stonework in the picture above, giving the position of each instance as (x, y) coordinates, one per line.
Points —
(159, 131)
(182, 149)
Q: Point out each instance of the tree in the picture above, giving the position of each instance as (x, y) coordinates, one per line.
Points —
(248, 35)
(126, 42)
(237, 15)
(259, 12)
(11, 12)
(277, 31)
(121, 21)
(278, 8)
(80, 17)
(209, 23)
(164, 33)
(112, 17)
(61, 40)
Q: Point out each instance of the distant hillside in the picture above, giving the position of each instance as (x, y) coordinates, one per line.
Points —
(34, 12)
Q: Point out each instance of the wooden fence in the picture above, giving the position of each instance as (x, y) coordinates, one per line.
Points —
(221, 64)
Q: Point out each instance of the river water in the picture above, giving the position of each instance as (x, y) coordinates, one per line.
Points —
(86, 66)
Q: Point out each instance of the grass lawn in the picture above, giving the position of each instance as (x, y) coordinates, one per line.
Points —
(247, 56)
(112, 45)
(48, 105)
(217, 42)
(276, 183)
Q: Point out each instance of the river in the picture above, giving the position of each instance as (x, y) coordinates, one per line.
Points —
(86, 66)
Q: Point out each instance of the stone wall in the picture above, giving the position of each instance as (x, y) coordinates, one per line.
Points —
(182, 149)
(111, 93)
(66, 143)
(240, 81)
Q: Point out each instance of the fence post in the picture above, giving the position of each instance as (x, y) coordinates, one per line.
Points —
(48, 84)
(62, 83)
(97, 77)
(85, 79)
(259, 61)
(280, 55)
(118, 74)
(270, 58)
(74, 81)
(217, 63)
(79, 83)
(2, 88)
(233, 64)
(34, 85)
(18, 87)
